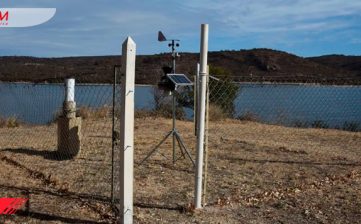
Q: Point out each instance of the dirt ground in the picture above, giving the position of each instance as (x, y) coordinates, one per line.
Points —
(257, 173)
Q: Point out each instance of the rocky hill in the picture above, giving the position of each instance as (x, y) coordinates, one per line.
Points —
(244, 65)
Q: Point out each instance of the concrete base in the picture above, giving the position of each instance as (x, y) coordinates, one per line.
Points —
(69, 136)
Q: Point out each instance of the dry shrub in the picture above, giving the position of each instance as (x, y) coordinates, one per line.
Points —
(144, 113)
(351, 126)
(87, 112)
(249, 116)
(319, 124)
(166, 111)
(2, 122)
(216, 113)
(102, 112)
(10, 122)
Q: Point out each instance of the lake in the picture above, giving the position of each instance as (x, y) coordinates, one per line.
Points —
(287, 104)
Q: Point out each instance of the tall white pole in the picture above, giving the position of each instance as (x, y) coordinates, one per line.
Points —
(201, 120)
(127, 131)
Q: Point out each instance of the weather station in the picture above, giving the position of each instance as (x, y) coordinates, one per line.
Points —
(170, 83)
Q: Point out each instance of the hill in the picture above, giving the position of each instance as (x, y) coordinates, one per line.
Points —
(244, 65)
(350, 63)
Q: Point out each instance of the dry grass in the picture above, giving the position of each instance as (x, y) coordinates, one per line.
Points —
(87, 112)
(258, 173)
(216, 113)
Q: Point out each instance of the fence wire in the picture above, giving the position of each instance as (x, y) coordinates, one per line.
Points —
(77, 188)
(269, 137)
(291, 102)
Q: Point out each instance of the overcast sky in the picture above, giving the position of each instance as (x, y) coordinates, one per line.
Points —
(97, 27)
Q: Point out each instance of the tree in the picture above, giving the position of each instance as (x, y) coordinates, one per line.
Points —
(223, 90)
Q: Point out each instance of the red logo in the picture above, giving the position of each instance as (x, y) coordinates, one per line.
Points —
(4, 18)
(9, 206)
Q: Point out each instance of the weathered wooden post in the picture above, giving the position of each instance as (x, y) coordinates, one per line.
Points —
(201, 118)
(69, 126)
(127, 131)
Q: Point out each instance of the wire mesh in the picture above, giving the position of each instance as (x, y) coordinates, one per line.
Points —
(78, 187)
(270, 135)
(268, 138)
(295, 103)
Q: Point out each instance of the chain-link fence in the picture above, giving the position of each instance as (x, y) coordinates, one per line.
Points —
(273, 143)
(330, 104)
(279, 144)
(73, 186)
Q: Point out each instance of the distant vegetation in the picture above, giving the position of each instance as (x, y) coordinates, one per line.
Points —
(244, 65)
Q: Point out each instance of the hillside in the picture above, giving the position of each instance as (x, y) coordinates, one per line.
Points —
(246, 65)
(351, 63)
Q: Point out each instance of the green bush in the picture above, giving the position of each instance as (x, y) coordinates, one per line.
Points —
(224, 91)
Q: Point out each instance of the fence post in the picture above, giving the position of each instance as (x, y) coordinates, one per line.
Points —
(206, 152)
(201, 120)
(69, 126)
(196, 100)
(127, 131)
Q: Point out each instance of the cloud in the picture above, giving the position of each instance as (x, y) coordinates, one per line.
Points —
(272, 16)
(98, 27)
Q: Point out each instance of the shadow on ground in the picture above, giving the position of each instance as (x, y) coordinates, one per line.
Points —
(49, 155)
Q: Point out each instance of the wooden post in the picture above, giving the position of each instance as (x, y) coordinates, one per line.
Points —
(127, 131)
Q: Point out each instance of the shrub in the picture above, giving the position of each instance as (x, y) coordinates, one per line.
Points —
(13, 122)
(351, 126)
(144, 113)
(10, 122)
(163, 105)
(216, 113)
(300, 124)
(223, 92)
(2, 122)
(87, 112)
(319, 124)
(167, 112)
(249, 116)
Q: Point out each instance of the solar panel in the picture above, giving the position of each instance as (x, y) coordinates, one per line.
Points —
(179, 79)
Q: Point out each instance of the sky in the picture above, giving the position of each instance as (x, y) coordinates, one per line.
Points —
(98, 27)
